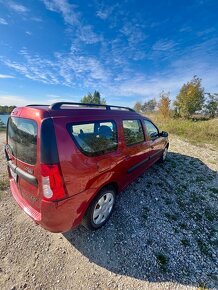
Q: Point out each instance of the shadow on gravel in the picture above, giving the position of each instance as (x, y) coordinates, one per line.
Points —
(164, 227)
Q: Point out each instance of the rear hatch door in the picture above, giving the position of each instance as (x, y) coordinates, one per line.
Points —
(22, 149)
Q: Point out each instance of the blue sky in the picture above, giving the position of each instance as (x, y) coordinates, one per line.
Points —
(129, 50)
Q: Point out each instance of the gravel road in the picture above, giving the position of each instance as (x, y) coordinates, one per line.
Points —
(163, 234)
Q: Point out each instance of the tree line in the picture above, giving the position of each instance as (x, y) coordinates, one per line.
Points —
(190, 101)
(6, 110)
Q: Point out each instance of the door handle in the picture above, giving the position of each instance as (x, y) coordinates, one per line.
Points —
(127, 157)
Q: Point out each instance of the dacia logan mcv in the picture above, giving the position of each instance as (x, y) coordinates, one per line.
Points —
(67, 161)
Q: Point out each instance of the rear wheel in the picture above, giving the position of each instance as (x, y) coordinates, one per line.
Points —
(100, 209)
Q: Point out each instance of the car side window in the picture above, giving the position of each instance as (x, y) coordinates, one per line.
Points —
(133, 132)
(94, 138)
(151, 129)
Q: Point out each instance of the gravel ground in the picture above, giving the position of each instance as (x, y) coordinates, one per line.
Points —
(163, 234)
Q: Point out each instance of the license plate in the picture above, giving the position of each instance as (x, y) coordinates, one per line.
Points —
(13, 174)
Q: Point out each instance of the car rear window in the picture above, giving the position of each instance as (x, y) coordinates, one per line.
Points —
(94, 138)
(22, 139)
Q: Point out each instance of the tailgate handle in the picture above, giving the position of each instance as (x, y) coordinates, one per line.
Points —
(26, 176)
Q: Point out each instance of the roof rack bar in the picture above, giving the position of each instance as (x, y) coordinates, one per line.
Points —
(57, 106)
(36, 105)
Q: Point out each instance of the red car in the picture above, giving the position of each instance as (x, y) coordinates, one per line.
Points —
(68, 161)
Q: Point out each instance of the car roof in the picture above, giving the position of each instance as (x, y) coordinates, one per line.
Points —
(78, 109)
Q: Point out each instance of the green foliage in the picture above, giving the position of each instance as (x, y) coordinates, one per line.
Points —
(6, 110)
(162, 260)
(149, 106)
(138, 107)
(93, 99)
(164, 105)
(190, 98)
(211, 106)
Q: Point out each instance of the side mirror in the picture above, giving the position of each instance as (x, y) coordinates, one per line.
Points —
(154, 135)
(163, 134)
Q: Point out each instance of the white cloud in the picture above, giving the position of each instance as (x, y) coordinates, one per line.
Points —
(163, 45)
(17, 7)
(3, 76)
(37, 19)
(65, 8)
(84, 32)
(87, 35)
(104, 12)
(11, 100)
(3, 21)
(28, 33)
(69, 69)
(56, 98)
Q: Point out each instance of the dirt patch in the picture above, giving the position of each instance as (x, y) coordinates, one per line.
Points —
(163, 234)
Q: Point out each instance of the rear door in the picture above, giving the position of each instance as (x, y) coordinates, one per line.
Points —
(95, 154)
(10, 148)
(22, 147)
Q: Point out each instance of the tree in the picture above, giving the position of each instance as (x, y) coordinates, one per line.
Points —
(6, 109)
(211, 106)
(93, 99)
(149, 106)
(190, 98)
(138, 107)
(164, 105)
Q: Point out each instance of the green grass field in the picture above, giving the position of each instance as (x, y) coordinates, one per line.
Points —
(196, 132)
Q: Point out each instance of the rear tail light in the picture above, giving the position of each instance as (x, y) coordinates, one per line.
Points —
(52, 182)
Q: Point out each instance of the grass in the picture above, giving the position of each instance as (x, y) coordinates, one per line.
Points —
(171, 217)
(145, 213)
(3, 184)
(214, 189)
(183, 226)
(210, 215)
(185, 242)
(162, 261)
(196, 132)
(202, 286)
(203, 248)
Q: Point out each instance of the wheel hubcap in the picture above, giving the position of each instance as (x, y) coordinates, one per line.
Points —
(103, 208)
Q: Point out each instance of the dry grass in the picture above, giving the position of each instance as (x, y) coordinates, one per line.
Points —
(196, 132)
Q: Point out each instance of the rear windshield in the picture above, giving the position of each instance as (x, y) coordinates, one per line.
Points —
(94, 138)
(22, 139)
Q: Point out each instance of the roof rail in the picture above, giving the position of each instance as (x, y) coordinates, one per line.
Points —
(36, 105)
(57, 106)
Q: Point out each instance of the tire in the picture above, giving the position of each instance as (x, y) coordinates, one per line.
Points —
(164, 155)
(99, 210)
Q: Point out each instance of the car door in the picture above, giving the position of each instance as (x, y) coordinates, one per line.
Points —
(154, 140)
(136, 150)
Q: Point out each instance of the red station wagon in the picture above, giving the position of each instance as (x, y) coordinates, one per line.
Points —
(67, 161)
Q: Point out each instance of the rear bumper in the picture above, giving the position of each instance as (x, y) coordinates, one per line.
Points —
(59, 216)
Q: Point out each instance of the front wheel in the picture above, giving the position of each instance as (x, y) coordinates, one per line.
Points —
(100, 209)
(164, 155)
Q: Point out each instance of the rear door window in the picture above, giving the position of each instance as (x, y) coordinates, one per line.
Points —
(94, 138)
(22, 139)
(133, 132)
